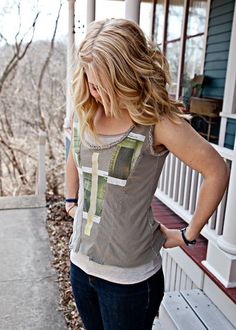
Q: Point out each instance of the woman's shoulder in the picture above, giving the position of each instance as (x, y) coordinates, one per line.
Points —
(168, 128)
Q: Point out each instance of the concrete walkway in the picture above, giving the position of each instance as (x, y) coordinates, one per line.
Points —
(28, 290)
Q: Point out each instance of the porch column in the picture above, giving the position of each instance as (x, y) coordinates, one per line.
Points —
(41, 173)
(228, 240)
(70, 60)
(91, 5)
(132, 10)
(229, 104)
(221, 255)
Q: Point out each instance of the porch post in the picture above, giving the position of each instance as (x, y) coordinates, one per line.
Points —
(70, 61)
(229, 104)
(132, 10)
(221, 255)
(228, 240)
(41, 173)
(90, 11)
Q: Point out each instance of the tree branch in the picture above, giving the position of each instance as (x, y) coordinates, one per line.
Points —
(18, 53)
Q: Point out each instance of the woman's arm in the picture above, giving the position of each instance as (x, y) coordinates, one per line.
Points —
(72, 183)
(186, 144)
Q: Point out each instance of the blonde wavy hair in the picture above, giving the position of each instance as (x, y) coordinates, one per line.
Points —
(130, 74)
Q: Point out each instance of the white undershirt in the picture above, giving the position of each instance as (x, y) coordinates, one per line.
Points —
(116, 274)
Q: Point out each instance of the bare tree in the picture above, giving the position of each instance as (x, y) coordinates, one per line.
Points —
(43, 124)
(19, 48)
(32, 99)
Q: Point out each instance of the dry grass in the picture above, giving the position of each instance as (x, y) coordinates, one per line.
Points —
(59, 226)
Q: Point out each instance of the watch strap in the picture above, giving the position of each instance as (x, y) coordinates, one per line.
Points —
(186, 241)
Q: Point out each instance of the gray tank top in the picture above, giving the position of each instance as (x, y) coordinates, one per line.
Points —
(114, 224)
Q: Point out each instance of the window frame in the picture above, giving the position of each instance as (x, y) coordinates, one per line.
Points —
(183, 38)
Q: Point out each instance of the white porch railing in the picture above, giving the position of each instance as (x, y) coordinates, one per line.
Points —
(179, 187)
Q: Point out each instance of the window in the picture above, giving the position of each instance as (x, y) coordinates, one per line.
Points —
(194, 41)
(179, 27)
(159, 22)
(173, 37)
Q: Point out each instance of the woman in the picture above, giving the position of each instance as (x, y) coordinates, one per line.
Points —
(123, 128)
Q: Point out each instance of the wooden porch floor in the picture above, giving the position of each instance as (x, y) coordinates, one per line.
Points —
(198, 252)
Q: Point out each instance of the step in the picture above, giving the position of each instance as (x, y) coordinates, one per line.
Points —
(22, 202)
(191, 309)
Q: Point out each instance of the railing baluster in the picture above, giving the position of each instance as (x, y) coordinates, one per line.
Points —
(183, 280)
(221, 215)
(182, 184)
(199, 182)
(171, 176)
(163, 178)
(168, 273)
(193, 192)
(178, 278)
(187, 188)
(174, 267)
(176, 180)
(167, 174)
(212, 221)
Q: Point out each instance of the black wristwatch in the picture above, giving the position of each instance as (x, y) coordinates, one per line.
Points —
(186, 241)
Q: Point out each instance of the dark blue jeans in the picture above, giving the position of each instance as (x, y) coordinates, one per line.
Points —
(104, 305)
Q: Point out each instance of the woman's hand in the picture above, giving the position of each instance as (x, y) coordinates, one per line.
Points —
(70, 209)
(173, 237)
